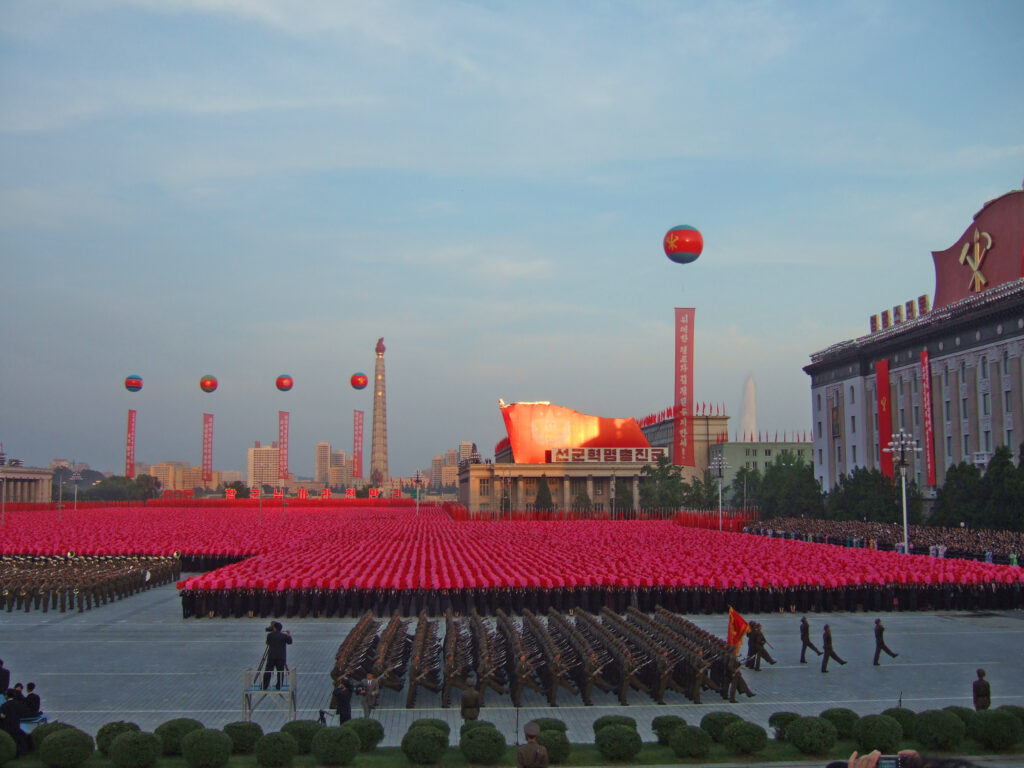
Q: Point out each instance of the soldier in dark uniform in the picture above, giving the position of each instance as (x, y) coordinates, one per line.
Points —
(805, 640)
(982, 692)
(531, 754)
(880, 641)
(829, 652)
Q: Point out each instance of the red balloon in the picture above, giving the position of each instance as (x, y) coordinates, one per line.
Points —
(208, 383)
(359, 381)
(284, 382)
(683, 244)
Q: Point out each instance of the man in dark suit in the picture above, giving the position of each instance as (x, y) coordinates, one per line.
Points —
(880, 641)
(11, 712)
(277, 653)
(805, 640)
(5, 677)
(343, 699)
(829, 652)
(32, 703)
(982, 692)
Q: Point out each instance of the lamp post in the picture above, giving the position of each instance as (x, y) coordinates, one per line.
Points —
(901, 447)
(419, 486)
(718, 466)
(612, 494)
(60, 491)
(75, 477)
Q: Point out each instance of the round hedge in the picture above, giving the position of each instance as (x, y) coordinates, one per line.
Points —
(43, 732)
(663, 725)
(557, 745)
(690, 741)
(71, 747)
(812, 735)
(173, 731)
(469, 725)
(423, 744)
(994, 729)
(1013, 709)
(430, 722)
(601, 722)
(780, 721)
(206, 748)
(485, 746)
(335, 745)
(106, 734)
(618, 742)
(879, 732)
(905, 717)
(964, 713)
(303, 732)
(550, 724)
(939, 729)
(369, 731)
(243, 736)
(276, 750)
(745, 738)
(8, 749)
(843, 719)
(716, 722)
(135, 749)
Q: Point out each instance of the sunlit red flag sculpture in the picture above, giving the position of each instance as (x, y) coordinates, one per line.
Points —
(359, 381)
(208, 383)
(683, 244)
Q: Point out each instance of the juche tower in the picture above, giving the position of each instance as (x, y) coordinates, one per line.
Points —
(379, 437)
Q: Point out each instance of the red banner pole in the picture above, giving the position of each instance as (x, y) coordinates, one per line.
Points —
(884, 415)
(929, 429)
(129, 448)
(682, 416)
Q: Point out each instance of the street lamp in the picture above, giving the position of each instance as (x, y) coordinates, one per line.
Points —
(419, 486)
(901, 447)
(75, 477)
(719, 465)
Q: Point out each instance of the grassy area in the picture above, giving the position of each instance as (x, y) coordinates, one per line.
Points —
(582, 755)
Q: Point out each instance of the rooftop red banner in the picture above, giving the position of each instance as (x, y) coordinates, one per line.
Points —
(536, 428)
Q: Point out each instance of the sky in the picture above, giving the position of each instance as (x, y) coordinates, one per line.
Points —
(247, 188)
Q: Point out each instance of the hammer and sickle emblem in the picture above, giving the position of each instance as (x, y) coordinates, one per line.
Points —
(978, 280)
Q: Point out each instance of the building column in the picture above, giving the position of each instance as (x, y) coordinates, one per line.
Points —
(566, 500)
(590, 488)
(636, 491)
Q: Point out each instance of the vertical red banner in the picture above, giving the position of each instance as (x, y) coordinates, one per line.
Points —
(682, 426)
(884, 415)
(282, 445)
(926, 406)
(357, 444)
(207, 447)
(129, 446)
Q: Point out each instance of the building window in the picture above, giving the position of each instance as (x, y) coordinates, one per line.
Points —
(853, 425)
(799, 451)
(821, 459)
(988, 441)
(963, 372)
(819, 401)
(767, 452)
(917, 412)
(963, 407)
(986, 405)
(852, 397)
(530, 485)
(967, 445)
(945, 377)
(949, 448)
(903, 420)
(485, 486)
(747, 454)
(853, 454)
(914, 383)
(984, 367)
(819, 429)
(1006, 362)
(1007, 402)
(946, 409)
(1009, 439)
(876, 452)
(839, 455)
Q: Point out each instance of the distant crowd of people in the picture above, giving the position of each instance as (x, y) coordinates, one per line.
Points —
(71, 583)
(1003, 547)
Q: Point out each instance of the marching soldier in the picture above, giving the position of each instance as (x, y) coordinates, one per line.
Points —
(805, 640)
(880, 642)
(829, 652)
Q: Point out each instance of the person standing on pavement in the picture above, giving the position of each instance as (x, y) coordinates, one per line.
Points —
(805, 640)
(829, 652)
(277, 653)
(880, 642)
(982, 692)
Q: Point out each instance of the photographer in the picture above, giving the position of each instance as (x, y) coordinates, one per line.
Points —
(277, 652)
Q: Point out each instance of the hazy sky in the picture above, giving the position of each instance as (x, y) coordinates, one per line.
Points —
(255, 187)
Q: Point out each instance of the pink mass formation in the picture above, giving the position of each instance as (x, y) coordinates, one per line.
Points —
(390, 546)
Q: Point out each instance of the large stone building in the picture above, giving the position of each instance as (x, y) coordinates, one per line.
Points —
(261, 466)
(949, 374)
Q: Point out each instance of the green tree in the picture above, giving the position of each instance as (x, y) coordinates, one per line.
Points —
(702, 492)
(581, 502)
(1002, 491)
(623, 494)
(789, 489)
(959, 500)
(543, 501)
(745, 488)
(661, 485)
(119, 488)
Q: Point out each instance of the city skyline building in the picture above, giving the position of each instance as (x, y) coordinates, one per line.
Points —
(379, 434)
(321, 462)
(261, 465)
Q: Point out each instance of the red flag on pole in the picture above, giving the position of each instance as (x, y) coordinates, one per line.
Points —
(738, 629)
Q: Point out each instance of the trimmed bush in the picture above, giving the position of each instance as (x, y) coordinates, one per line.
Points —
(879, 732)
(663, 725)
(335, 745)
(716, 722)
(206, 748)
(557, 745)
(369, 731)
(135, 749)
(173, 731)
(303, 732)
(1014, 710)
(8, 749)
(939, 729)
(690, 741)
(69, 748)
(780, 721)
(995, 730)
(550, 724)
(812, 735)
(601, 722)
(745, 738)
(423, 744)
(843, 719)
(243, 736)
(42, 733)
(276, 750)
(905, 717)
(429, 722)
(106, 734)
(966, 714)
(483, 745)
(469, 725)
(618, 742)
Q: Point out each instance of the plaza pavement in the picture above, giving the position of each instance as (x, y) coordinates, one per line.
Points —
(138, 660)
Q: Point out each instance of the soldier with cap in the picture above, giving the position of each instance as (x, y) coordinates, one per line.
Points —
(805, 640)
(531, 754)
(880, 642)
(982, 692)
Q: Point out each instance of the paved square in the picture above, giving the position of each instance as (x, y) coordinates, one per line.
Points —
(138, 660)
